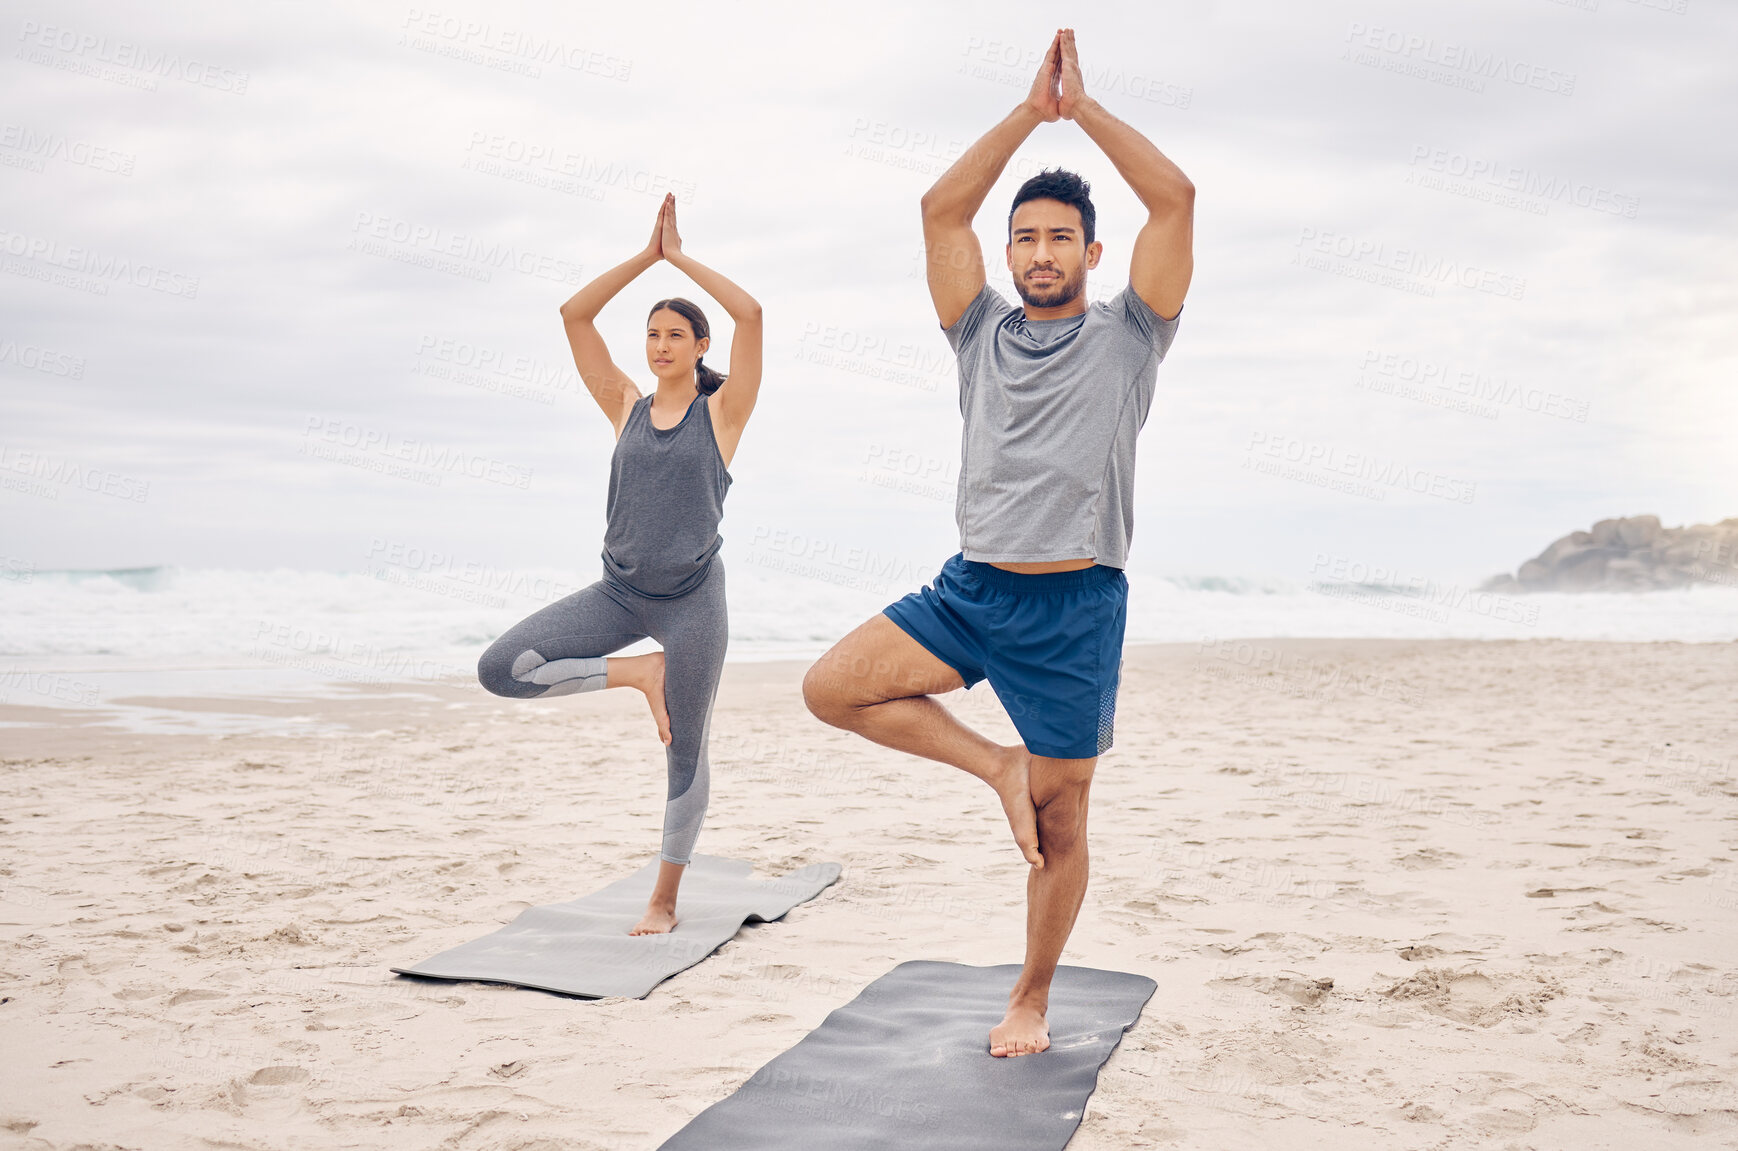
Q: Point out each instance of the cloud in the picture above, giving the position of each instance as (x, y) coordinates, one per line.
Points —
(374, 229)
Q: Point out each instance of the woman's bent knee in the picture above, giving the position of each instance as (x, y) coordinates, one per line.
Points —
(495, 673)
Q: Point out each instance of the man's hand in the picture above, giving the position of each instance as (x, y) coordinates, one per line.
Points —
(1163, 261)
(954, 258)
(1042, 98)
(1071, 86)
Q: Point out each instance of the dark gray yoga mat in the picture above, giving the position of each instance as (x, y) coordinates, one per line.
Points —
(582, 947)
(907, 1065)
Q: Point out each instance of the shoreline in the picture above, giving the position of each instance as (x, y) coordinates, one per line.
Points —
(310, 706)
(70, 695)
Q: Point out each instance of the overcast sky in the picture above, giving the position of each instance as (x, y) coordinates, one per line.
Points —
(1464, 271)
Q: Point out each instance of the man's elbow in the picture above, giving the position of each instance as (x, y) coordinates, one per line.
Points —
(939, 208)
(1176, 198)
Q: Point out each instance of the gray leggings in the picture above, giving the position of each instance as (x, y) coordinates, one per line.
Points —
(560, 650)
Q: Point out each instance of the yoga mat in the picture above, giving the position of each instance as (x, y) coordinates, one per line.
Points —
(907, 1065)
(582, 947)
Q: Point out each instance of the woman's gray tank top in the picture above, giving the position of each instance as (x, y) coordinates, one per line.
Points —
(666, 496)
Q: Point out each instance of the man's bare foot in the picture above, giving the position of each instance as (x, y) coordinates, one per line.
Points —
(1013, 784)
(656, 921)
(1022, 1031)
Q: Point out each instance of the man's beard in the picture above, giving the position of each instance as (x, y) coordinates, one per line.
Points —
(1052, 295)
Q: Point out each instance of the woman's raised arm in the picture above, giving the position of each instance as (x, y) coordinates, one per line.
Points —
(741, 386)
(614, 392)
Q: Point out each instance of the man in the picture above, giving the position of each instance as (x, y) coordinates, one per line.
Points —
(1053, 396)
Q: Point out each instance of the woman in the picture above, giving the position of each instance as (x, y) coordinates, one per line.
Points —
(661, 573)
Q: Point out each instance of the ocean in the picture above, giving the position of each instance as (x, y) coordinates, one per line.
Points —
(98, 639)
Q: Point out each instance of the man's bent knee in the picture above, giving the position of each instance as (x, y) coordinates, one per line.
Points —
(875, 663)
(824, 695)
(840, 683)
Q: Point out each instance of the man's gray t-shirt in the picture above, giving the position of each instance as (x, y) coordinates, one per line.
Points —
(1052, 409)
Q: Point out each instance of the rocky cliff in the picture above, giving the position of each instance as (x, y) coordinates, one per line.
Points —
(1633, 554)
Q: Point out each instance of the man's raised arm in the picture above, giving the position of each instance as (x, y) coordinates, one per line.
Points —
(1163, 260)
(954, 260)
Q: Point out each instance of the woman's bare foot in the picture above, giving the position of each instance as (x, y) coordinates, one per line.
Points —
(1013, 784)
(660, 916)
(658, 920)
(645, 672)
(1022, 1031)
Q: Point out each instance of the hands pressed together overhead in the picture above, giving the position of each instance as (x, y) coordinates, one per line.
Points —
(665, 239)
(1059, 90)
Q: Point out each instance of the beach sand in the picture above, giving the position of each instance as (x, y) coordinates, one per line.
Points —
(1395, 894)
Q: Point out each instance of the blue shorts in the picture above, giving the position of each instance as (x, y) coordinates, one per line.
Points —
(1050, 644)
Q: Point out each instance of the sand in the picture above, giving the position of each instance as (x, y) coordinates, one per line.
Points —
(1395, 894)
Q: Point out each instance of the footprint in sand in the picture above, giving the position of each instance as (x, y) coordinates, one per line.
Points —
(1481, 998)
(1428, 857)
(1304, 990)
(195, 996)
(273, 1093)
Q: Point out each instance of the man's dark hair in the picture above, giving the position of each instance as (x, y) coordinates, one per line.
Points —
(1058, 184)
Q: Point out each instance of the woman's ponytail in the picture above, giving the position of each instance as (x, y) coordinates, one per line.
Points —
(706, 381)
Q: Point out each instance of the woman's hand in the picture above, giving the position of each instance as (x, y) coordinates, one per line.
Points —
(669, 241)
(655, 246)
